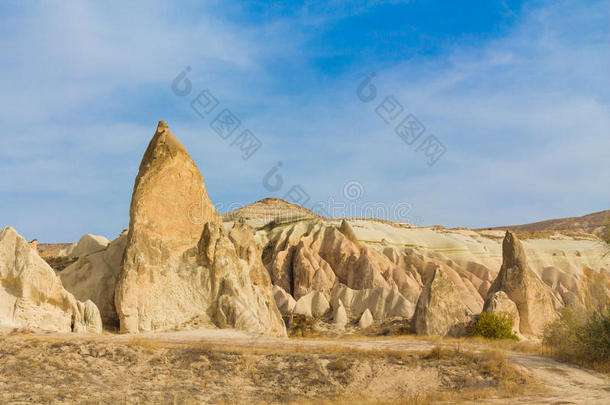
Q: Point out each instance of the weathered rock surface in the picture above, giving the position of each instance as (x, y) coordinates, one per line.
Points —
(93, 277)
(233, 300)
(310, 272)
(340, 318)
(369, 253)
(533, 298)
(315, 256)
(34, 244)
(284, 301)
(313, 304)
(180, 268)
(86, 245)
(382, 302)
(499, 302)
(440, 310)
(32, 296)
(366, 319)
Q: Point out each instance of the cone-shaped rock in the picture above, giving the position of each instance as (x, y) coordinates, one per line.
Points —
(533, 298)
(347, 230)
(169, 208)
(179, 268)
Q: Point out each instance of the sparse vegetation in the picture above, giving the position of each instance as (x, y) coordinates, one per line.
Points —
(494, 326)
(301, 326)
(47, 369)
(581, 334)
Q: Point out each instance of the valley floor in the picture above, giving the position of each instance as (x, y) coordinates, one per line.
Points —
(225, 366)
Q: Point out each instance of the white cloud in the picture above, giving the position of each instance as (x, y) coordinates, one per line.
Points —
(525, 117)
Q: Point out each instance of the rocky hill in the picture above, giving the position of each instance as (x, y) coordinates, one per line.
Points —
(596, 224)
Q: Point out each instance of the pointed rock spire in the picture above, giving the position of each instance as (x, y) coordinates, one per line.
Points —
(180, 269)
(532, 297)
(169, 208)
(347, 230)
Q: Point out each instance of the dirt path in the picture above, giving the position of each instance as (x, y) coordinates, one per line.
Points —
(566, 384)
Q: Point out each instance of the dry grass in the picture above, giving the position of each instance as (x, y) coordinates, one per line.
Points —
(56, 369)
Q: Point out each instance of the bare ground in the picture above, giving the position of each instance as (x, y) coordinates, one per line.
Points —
(224, 366)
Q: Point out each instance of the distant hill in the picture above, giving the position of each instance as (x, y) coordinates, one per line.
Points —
(596, 224)
(269, 210)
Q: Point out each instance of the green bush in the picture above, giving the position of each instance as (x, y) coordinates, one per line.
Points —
(595, 335)
(494, 326)
(581, 334)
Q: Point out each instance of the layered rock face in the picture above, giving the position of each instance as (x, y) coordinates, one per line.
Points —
(180, 268)
(32, 295)
(536, 304)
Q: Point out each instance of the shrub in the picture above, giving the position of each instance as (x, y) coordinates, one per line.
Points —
(301, 326)
(494, 326)
(581, 334)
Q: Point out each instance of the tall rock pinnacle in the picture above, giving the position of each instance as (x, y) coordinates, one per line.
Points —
(534, 301)
(160, 231)
(179, 268)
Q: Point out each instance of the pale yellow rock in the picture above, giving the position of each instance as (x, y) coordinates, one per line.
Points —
(313, 304)
(366, 319)
(340, 315)
(248, 249)
(440, 310)
(310, 272)
(235, 301)
(382, 302)
(471, 258)
(500, 302)
(537, 306)
(314, 255)
(93, 277)
(284, 301)
(180, 269)
(32, 296)
(86, 245)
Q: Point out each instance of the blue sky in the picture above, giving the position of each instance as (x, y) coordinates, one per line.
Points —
(517, 92)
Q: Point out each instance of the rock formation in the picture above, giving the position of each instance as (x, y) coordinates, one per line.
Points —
(316, 256)
(304, 253)
(180, 268)
(366, 319)
(32, 296)
(284, 301)
(383, 303)
(313, 304)
(310, 272)
(34, 244)
(93, 277)
(340, 315)
(86, 245)
(533, 298)
(440, 310)
(499, 302)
